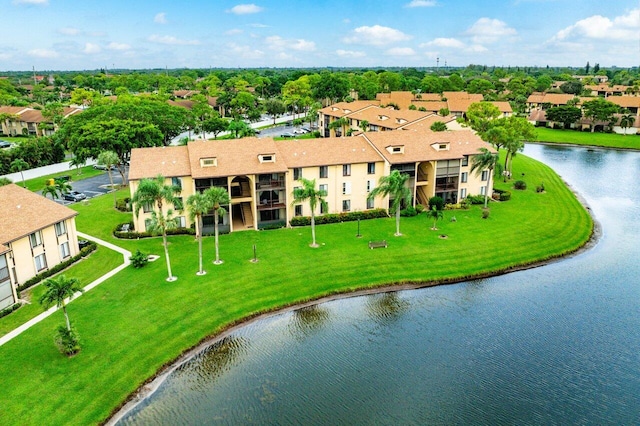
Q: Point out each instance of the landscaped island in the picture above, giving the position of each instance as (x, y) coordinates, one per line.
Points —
(137, 322)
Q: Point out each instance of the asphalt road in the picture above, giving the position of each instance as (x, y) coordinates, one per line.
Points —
(93, 186)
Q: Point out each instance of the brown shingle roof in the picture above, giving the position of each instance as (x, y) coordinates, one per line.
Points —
(234, 157)
(168, 161)
(343, 108)
(388, 118)
(418, 144)
(428, 122)
(327, 151)
(32, 116)
(23, 212)
(12, 109)
(474, 97)
(625, 101)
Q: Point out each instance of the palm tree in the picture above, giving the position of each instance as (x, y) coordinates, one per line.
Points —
(199, 204)
(308, 192)
(393, 186)
(435, 214)
(156, 192)
(218, 197)
(109, 159)
(483, 161)
(77, 162)
(19, 165)
(364, 125)
(50, 190)
(58, 290)
(626, 121)
(160, 224)
(62, 186)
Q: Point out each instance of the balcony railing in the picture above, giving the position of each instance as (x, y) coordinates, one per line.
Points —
(447, 187)
(270, 184)
(271, 204)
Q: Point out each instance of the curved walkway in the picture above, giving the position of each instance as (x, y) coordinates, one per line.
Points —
(126, 255)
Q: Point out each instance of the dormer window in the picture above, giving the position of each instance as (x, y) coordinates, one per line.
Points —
(397, 149)
(209, 162)
(441, 146)
(400, 120)
(267, 158)
(382, 117)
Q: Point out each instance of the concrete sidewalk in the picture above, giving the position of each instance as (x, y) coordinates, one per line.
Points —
(27, 325)
(43, 171)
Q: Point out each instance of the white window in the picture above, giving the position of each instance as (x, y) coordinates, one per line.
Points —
(36, 239)
(370, 185)
(370, 202)
(483, 190)
(346, 188)
(41, 262)
(463, 193)
(464, 177)
(325, 188)
(181, 222)
(346, 205)
(61, 228)
(485, 175)
(64, 250)
(208, 162)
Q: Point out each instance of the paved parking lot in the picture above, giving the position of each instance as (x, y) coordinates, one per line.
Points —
(94, 186)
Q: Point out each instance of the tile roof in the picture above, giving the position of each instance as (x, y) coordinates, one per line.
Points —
(625, 101)
(327, 151)
(32, 116)
(168, 161)
(343, 108)
(474, 97)
(23, 212)
(428, 122)
(418, 143)
(389, 118)
(12, 110)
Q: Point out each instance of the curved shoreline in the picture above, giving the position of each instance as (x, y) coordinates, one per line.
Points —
(152, 384)
(578, 145)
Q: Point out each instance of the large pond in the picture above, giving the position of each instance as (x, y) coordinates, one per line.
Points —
(559, 344)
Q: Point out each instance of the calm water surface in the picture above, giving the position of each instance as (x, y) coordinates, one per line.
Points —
(558, 344)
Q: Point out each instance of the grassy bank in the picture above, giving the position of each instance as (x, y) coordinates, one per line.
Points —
(607, 140)
(136, 322)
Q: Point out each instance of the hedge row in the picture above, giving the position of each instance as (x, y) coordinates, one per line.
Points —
(501, 194)
(6, 311)
(339, 217)
(133, 235)
(59, 267)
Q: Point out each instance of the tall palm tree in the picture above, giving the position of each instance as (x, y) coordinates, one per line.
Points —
(626, 121)
(486, 160)
(58, 290)
(109, 159)
(218, 197)
(62, 186)
(50, 190)
(19, 165)
(199, 204)
(393, 186)
(160, 223)
(308, 192)
(155, 192)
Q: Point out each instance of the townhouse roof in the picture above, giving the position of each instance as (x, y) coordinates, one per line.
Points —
(343, 108)
(3, 249)
(182, 103)
(603, 87)
(419, 145)
(24, 212)
(551, 98)
(168, 161)
(428, 122)
(625, 101)
(12, 110)
(32, 116)
(462, 105)
(327, 151)
(431, 105)
(389, 118)
(234, 157)
(475, 97)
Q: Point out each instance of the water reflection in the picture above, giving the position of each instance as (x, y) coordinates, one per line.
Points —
(385, 307)
(306, 321)
(203, 370)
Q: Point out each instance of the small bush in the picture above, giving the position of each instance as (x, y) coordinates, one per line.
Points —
(465, 204)
(520, 184)
(438, 202)
(139, 259)
(419, 208)
(6, 311)
(540, 188)
(485, 213)
(67, 341)
(475, 199)
(132, 235)
(123, 204)
(501, 194)
(450, 206)
(339, 217)
(408, 212)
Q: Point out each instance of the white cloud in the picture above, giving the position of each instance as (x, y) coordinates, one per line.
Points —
(160, 18)
(245, 52)
(170, 40)
(118, 46)
(70, 31)
(278, 43)
(234, 31)
(421, 3)
(450, 43)
(486, 30)
(350, 53)
(40, 2)
(376, 35)
(400, 51)
(599, 27)
(91, 48)
(245, 9)
(258, 25)
(43, 53)
(5, 56)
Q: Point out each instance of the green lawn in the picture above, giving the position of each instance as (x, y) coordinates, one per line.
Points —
(37, 184)
(608, 140)
(137, 322)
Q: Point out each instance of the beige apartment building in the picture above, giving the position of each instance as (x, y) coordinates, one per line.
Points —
(35, 234)
(261, 174)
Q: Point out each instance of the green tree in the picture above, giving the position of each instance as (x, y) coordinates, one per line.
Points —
(109, 159)
(565, 114)
(57, 291)
(78, 163)
(152, 192)
(485, 160)
(340, 123)
(19, 165)
(62, 186)
(274, 107)
(480, 115)
(393, 186)
(198, 205)
(436, 215)
(626, 121)
(50, 190)
(438, 126)
(218, 197)
(54, 113)
(599, 109)
(315, 197)
(215, 125)
(5, 181)
(238, 127)
(572, 87)
(364, 125)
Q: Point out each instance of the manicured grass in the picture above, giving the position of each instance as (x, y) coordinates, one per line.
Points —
(137, 322)
(608, 140)
(36, 184)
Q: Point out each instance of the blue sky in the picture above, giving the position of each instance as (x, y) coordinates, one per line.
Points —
(87, 34)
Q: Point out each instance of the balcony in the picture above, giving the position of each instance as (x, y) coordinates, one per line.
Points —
(271, 204)
(270, 184)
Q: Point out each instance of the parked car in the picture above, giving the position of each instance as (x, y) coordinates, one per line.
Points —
(5, 144)
(74, 196)
(299, 132)
(103, 167)
(287, 135)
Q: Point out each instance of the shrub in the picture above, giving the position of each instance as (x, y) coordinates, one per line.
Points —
(438, 202)
(139, 259)
(465, 204)
(123, 204)
(270, 226)
(419, 208)
(316, 134)
(450, 206)
(540, 188)
(339, 217)
(6, 311)
(475, 199)
(133, 235)
(485, 213)
(501, 194)
(408, 212)
(67, 341)
(412, 107)
(520, 184)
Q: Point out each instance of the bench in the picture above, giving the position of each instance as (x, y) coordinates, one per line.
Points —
(377, 244)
